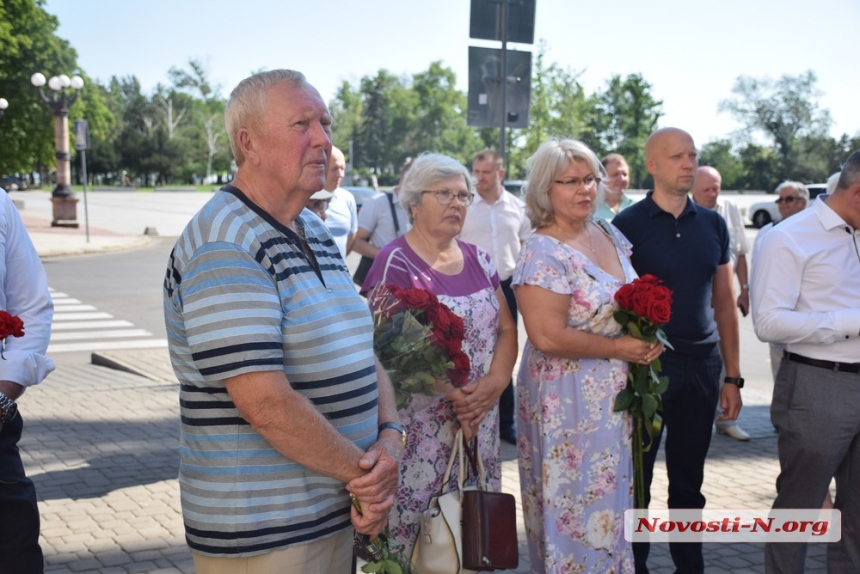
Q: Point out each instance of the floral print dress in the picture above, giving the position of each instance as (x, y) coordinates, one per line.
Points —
(430, 422)
(576, 469)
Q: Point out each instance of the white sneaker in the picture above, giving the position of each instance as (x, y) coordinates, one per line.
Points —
(733, 431)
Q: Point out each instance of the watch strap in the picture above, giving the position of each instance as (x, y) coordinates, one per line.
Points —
(739, 381)
(395, 427)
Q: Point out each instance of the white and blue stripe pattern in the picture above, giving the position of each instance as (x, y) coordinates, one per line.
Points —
(242, 296)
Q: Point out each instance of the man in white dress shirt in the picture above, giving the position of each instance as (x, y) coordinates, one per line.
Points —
(23, 294)
(706, 192)
(497, 222)
(806, 295)
(341, 214)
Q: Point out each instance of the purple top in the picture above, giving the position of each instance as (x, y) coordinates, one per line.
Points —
(407, 269)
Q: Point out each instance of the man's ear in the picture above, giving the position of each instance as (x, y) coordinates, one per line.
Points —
(650, 166)
(247, 141)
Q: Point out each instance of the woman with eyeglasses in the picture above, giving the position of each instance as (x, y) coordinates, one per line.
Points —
(575, 453)
(436, 193)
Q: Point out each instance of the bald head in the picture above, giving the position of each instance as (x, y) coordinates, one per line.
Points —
(706, 188)
(670, 156)
(336, 170)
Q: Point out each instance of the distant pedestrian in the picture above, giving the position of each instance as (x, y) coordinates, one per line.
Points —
(497, 223)
(23, 294)
(341, 212)
(284, 409)
(617, 181)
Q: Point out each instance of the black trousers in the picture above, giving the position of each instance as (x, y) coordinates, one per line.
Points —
(506, 401)
(688, 417)
(19, 516)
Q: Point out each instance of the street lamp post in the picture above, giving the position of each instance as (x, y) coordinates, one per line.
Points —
(62, 197)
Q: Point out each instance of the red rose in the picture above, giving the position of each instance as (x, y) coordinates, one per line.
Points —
(440, 320)
(648, 278)
(452, 348)
(414, 298)
(461, 362)
(660, 293)
(659, 312)
(624, 296)
(642, 302)
(10, 326)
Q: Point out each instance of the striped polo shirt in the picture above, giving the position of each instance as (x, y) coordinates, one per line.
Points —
(241, 295)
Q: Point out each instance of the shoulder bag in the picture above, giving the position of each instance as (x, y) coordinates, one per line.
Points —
(438, 549)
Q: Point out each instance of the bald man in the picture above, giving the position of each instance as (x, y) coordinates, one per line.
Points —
(688, 247)
(341, 213)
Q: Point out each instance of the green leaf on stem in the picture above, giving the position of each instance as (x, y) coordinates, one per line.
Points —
(661, 336)
(623, 400)
(634, 330)
(662, 385)
(649, 406)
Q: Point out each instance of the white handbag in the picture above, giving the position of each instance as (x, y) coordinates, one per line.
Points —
(438, 549)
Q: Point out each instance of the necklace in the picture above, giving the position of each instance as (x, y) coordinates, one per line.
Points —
(590, 243)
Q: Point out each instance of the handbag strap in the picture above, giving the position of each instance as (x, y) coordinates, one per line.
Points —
(456, 453)
(476, 463)
(393, 213)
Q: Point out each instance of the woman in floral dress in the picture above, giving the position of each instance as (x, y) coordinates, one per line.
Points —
(436, 193)
(575, 453)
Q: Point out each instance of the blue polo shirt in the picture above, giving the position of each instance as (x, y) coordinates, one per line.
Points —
(685, 253)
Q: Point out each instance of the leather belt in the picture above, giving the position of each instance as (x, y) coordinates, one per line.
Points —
(853, 368)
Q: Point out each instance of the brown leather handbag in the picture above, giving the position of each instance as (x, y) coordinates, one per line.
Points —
(489, 523)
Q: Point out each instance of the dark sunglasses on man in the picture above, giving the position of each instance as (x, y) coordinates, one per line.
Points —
(787, 199)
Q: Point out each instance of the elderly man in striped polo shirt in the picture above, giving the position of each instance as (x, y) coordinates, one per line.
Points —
(285, 409)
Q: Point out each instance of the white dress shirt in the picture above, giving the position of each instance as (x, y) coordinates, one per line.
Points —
(498, 228)
(341, 218)
(738, 243)
(23, 292)
(805, 288)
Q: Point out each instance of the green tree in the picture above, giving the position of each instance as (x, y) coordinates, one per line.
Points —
(783, 111)
(625, 115)
(29, 44)
(720, 155)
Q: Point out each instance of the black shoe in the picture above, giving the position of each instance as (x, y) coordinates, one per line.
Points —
(508, 433)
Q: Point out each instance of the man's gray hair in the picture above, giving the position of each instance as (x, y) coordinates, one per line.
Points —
(796, 186)
(832, 182)
(247, 104)
(850, 171)
(428, 170)
(545, 166)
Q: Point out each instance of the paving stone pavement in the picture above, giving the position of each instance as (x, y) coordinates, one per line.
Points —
(101, 446)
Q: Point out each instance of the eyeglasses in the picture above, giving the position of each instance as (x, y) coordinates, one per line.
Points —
(577, 183)
(788, 199)
(446, 196)
(318, 204)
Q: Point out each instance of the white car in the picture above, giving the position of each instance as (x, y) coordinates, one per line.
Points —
(763, 212)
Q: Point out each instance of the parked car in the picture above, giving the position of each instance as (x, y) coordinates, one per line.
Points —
(13, 183)
(361, 195)
(763, 212)
(515, 186)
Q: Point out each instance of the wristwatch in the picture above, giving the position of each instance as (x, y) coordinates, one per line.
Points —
(739, 381)
(393, 426)
(8, 409)
(745, 287)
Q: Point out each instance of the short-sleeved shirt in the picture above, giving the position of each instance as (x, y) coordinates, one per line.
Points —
(341, 218)
(242, 296)
(605, 212)
(375, 217)
(685, 253)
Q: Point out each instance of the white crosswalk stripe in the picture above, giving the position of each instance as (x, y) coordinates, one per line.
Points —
(88, 329)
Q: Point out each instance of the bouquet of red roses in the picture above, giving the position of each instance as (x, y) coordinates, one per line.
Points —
(645, 305)
(419, 341)
(10, 326)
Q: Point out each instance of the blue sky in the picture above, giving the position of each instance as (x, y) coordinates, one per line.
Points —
(691, 52)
